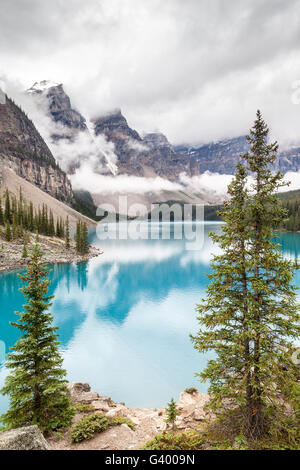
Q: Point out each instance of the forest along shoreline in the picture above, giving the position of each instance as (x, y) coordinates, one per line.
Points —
(54, 251)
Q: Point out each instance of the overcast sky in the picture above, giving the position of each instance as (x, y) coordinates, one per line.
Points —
(196, 70)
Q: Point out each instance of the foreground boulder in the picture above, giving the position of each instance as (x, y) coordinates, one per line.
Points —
(27, 438)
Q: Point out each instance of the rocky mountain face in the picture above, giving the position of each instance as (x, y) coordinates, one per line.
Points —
(127, 142)
(115, 126)
(148, 156)
(222, 157)
(71, 127)
(164, 159)
(23, 149)
(152, 154)
(60, 107)
(289, 160)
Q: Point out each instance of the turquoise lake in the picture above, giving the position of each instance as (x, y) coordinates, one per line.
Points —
(125, 316)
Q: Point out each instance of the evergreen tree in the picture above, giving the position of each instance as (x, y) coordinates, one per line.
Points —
(78, 236)
(24, 252)
(21, 216)
(36, 385)
(44, 220)
(60, 233)
(85, 243)
(39, 223)
(7, 232)
(67, 235)
(7, 211)
(250, 315)
(292, 223)
(31, 225)
(51, 225)
(172, 413)
(81, 238)
(14, 226)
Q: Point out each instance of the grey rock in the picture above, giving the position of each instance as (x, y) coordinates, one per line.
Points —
(78, 387)
(135, 153)
(26, 438)
(118, 411)
(199, 415)
(85, 397)
(80, 393)
(104, 404)
(59, 106)
(99, 405)
(223, 156)
(24, 150)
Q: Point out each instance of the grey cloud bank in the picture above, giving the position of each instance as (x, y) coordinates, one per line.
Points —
(197, 71)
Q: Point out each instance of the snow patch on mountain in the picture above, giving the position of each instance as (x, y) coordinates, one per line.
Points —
(40, 87)
(110, 157)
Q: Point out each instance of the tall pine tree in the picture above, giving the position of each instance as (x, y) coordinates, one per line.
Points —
(1, 213)
(250, 315)
(7, 211)
(81, 238)
(67, 234)
(37, 384)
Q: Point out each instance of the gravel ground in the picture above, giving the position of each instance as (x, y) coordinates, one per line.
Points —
(53, 248)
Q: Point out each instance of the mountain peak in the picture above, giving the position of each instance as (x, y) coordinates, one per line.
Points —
(114, 125)
(40, 87)
(59, 106)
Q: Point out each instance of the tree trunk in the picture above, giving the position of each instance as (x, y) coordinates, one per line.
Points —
(256, 423)
(249, 390)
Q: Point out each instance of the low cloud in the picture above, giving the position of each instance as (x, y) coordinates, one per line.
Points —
(294, 179)
(137, 146)
(86, 149)
(85, 178)
(214, 183)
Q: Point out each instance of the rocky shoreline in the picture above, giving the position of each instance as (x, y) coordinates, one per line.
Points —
(143, 424)
(54, 251)
(147, 421)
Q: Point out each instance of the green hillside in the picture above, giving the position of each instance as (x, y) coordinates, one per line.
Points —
(290, 201)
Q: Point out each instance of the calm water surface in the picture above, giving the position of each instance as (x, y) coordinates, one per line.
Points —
(125, 316)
